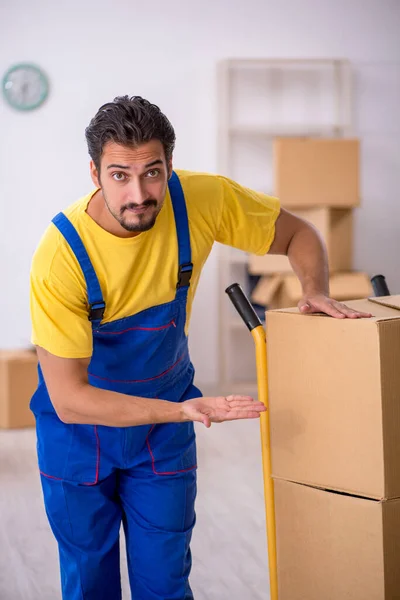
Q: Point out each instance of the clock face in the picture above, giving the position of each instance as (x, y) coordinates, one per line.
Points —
(25, 87)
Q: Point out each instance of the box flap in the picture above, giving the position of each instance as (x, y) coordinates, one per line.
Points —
(389, 301)
(379, 311)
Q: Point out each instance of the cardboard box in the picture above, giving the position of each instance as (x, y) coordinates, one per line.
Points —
(334, 393)
(284, 291)
(335, 547)
(317, 172)
(18, 381)
(336, 228)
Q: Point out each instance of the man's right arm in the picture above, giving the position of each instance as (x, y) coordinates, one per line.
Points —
(76, 401)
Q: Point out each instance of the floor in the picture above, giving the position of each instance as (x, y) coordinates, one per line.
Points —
(229, 542)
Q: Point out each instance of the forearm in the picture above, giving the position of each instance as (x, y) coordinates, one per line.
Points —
(95, 406)
(308, 257)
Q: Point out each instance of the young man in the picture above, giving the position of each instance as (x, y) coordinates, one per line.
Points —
(112, 286)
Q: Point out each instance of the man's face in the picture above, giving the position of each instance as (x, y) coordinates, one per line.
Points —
(133, 182)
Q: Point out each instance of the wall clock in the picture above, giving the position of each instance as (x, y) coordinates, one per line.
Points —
(25, 86)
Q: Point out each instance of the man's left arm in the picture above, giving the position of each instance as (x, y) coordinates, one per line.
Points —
(303, 245)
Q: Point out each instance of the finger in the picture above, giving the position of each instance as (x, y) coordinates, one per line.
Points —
(235, 397)
(236, 415)
(314, 308)
(245, 405)
(350, 313)
(354, 314)
(331, 310)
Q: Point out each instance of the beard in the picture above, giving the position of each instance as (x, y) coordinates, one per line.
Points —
(135, 222)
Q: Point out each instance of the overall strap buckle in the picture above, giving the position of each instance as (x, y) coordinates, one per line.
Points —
(96, 311)
(184, 275)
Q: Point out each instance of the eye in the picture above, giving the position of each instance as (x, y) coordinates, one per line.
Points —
(119, 176)
(153, 173)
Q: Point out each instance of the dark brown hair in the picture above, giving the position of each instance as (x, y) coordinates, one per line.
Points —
(128, 121)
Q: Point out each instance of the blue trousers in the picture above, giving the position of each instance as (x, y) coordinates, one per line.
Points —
(157, 513)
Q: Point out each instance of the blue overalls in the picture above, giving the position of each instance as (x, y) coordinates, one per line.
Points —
(95, 477)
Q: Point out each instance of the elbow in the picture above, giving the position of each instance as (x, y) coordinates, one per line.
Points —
(64, 414)
(67, 404)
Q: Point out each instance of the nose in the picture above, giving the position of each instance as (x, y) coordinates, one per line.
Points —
(137, 193)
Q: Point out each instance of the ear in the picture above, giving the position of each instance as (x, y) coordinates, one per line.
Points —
(170, 168)
(94, 174)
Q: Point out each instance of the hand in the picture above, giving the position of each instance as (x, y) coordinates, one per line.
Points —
(216, 410)
(322, 303)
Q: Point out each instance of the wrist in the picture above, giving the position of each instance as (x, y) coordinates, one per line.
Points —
(313, 288)
(182, 415)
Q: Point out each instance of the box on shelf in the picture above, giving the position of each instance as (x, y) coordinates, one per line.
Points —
(333, 546)
(284, 291)
(18, 381)
(334, 389)
(336, 228)
(317, 172)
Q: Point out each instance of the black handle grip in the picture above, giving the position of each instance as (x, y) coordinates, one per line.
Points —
(379, 285)
(243, 306)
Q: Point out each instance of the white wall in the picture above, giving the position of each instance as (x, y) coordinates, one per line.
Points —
(167, 51)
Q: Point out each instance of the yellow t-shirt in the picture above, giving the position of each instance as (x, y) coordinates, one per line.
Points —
(139, 272)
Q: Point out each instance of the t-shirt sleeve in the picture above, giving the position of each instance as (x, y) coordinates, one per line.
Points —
(248, 218)
(58, 305)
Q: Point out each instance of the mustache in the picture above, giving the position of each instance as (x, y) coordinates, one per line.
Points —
(149, 202)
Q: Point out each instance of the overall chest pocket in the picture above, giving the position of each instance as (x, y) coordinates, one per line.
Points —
(135, 354)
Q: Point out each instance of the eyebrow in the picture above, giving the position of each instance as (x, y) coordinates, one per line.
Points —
(158, 161)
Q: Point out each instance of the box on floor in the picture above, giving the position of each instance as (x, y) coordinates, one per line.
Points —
(333, 546)
(18, 381)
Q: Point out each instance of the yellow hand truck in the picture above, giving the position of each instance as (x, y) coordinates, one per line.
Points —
(249, 316)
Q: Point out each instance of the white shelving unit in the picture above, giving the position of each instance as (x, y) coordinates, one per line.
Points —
(258, 100)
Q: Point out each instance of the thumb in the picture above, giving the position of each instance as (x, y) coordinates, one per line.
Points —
(206, 421)
(304, 306)
(201, 418)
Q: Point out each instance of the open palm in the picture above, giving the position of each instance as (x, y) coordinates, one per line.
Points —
(222, 408)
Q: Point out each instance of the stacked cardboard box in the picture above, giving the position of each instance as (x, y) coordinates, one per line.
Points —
(318, 180)
(334, 393)
(18, 381)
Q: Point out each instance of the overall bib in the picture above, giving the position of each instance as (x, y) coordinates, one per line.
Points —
(95, 477)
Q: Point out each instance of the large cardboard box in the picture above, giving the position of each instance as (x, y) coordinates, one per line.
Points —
(317, 172)
(336, 547)
(18, 381)
(336, 228)
(284, 291)
(334, 393)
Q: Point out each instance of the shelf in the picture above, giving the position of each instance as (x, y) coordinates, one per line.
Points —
(266, 63)
(283, 131)
(258, 100)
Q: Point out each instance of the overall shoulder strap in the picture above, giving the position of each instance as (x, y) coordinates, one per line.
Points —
(95, 296)
(182, 232)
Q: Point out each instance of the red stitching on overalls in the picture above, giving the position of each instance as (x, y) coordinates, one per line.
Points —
(137, 329)
(137, 380)
(97, 463)
(153, 462)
